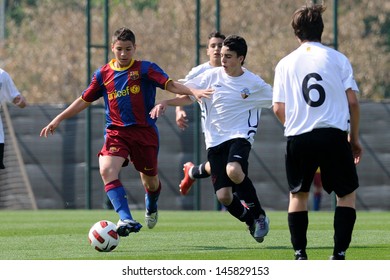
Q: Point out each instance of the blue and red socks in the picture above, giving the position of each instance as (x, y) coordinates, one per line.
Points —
(118, 197)
(151, 199)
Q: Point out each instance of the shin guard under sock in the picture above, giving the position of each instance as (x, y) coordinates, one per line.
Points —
(199, 171)
(298, 223)
(151, 199)
(247, 192)
(236, 209)
(117, 195)
(344, 221)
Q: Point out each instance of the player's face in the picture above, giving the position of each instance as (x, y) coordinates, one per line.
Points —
(214, 51)
(123, 52)
(231, 62)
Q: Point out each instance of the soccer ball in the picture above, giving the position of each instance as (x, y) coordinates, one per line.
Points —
(103, 236)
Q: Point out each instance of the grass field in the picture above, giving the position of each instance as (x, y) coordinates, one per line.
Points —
(182, 235)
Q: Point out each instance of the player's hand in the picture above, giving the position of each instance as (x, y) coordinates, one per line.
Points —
(181, 118)
(357, 151)
(158, 110)
(202, 93)
(20, 101)
(49, 129)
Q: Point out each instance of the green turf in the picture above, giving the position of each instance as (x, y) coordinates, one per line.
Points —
(182, 235)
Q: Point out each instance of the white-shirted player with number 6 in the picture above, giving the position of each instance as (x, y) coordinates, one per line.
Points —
(315, 99)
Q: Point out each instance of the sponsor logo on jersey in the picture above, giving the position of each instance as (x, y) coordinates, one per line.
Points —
(135, 89)
(118, 93)
(125, 92)
(113, 149)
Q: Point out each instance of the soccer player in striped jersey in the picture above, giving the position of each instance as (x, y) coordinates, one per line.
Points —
(8, 93)
(315, 98)
(231, 120)
(128, 88)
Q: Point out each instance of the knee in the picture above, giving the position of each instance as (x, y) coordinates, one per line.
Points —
(348, 200)
(151, 183)
(225, 197)
(234, 172)
(105, 172)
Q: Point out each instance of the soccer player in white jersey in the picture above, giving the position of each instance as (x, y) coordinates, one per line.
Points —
(315, 98)
(10, 94)
(213, 51)
(232, 116)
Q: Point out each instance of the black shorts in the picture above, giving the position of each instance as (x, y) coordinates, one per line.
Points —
(327, 148)
(235, 150)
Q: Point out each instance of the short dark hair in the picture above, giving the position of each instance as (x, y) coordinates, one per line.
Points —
(123, 34)
(237, 44)
(307, 22)
(216, 34)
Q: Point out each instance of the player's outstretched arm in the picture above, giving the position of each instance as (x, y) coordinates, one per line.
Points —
(159, 108)
(76, 107)
(178, 88)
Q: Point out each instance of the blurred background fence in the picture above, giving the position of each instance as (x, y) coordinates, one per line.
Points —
(56, 166)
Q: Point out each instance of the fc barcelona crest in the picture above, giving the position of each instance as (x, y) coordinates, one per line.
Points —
(134, 75)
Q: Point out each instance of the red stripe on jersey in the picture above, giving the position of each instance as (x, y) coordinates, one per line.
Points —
(109, 77)
(137, 94)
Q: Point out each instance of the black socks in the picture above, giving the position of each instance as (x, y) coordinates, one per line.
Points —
(199, 171)
(344, 221)
(298, 223)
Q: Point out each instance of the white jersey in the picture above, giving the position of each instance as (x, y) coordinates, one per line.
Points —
(312, 81)
(196, 71)
(233, 110)
(8, 92)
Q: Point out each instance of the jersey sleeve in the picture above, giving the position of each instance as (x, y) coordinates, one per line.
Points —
(198, 82)
(278, 89)
(8, 89)
(193, 73)
(196, 71)
(155, 74)
(94, 90)
(265, 100)
(348, 77)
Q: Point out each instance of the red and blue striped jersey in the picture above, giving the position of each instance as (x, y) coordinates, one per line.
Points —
(129, 93)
